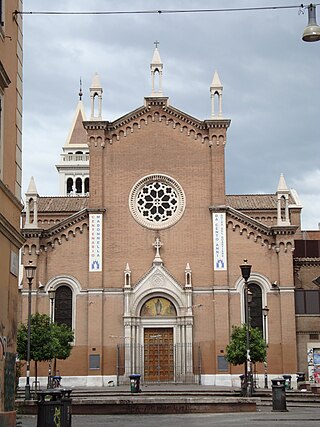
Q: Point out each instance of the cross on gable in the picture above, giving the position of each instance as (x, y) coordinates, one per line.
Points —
(157, 245)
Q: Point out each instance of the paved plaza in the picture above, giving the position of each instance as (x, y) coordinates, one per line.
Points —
(264, 417)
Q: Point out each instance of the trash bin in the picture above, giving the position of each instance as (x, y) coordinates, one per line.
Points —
(135, 383)
(54, 408)
(287, 381)
(301, 377)
(278, 395)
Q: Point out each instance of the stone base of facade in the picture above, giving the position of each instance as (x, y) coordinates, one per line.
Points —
(215, 380)
(8, 419)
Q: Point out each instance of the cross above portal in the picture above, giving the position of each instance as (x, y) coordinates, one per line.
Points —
(157, 245)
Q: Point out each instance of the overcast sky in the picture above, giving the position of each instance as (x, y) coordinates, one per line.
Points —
(271, 83)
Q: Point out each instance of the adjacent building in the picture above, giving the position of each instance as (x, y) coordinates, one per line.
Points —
(143, 248)
(10, 197)
(307, 291)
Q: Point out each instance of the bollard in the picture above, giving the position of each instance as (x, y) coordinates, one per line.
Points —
(135, 383)
(279, 403)
(243, 384)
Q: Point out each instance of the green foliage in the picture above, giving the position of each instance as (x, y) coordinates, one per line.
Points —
(63, 337)
(236, 351)
(47, 340)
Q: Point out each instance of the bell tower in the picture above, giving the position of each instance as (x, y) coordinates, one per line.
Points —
(73, 167)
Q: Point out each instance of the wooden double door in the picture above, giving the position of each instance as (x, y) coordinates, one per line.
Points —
(158, 355)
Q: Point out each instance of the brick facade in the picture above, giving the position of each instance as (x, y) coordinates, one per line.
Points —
(159, 139)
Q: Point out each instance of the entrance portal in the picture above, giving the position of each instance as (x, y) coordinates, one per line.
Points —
(158, 355)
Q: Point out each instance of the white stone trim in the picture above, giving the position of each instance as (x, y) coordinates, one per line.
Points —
(157, 283)
(266, 287)
(74, 285)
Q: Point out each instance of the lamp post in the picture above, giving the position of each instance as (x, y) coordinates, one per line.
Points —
(245, 271)
(30, 270)
(265, 312)
(52, 295)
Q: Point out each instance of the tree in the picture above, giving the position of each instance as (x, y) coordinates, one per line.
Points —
(62, 336)
(47, 340)
(236, 351)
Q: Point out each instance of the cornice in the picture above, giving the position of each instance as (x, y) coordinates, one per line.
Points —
(253, 223)
(306, 262)
(29, 233)
(217, 123)
(95, 124)
(10, 195)
(159, 105)
(66, 223)
(96, 210)
(10, 232)
(127, 118)
(72, 167)
(243, 218)
(63, 225)
(153, 267)
(57, 228)
(284, 229)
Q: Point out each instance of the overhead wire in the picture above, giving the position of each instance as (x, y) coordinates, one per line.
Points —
(164, 11)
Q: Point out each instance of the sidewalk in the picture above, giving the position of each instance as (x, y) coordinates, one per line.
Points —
(295, 417)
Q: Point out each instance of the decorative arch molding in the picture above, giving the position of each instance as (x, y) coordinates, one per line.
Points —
(158, 283)
(73, 284)
(258, 279)
(259, 233)
(193, 128)
(62, 279)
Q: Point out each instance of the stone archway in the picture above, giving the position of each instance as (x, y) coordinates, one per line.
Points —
(158, 319)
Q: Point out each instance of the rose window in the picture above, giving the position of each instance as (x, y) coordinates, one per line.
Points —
(157, 201)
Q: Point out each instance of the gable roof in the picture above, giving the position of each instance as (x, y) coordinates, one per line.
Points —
(56, 204)
(254, 201)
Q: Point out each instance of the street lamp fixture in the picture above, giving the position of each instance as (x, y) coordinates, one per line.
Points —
(265, 312)
(246, 271)
(30, 270)
(312, 30)
(52, 295)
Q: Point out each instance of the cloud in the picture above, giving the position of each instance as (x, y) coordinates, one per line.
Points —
(268, 74)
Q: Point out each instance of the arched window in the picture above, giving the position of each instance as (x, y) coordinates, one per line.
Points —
(255, 306)
(78, 185)
(86, 185)
(63, 306)
(69, 185)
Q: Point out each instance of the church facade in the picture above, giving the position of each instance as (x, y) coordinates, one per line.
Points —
(143, 249)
